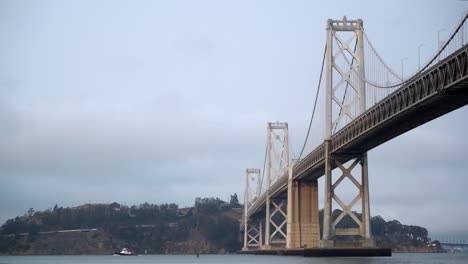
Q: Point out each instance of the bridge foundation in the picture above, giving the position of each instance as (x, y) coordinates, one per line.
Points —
(303, 230)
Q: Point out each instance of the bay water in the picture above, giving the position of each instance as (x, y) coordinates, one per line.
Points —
(427, 258)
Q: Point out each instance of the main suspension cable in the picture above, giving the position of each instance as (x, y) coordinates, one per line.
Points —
(315, 103)
(425, 67)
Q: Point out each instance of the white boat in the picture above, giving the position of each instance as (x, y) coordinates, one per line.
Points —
(125, 252)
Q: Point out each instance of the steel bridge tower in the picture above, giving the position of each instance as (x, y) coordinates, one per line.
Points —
(345, 80)
(277, 162)
(253, 236)
(291, 221)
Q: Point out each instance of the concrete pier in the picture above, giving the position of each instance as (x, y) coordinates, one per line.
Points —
(303, 217)
(324, 252)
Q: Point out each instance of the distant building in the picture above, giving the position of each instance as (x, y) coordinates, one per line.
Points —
(114, 206)
(90, 205)
(184, 211)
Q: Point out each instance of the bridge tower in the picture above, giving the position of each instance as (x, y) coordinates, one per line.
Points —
(345, 100)
(253, 237)
(277, 164)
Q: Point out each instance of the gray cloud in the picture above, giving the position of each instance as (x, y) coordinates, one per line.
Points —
(164, 102)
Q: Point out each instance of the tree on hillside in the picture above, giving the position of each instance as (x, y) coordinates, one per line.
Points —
(378, 225)
(393, 227)
(234, 202)
(208, 205)
(30, 212)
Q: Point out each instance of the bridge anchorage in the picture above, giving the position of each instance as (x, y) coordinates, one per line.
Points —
(364, 107)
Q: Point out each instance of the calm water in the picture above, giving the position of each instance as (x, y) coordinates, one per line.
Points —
(233, 259)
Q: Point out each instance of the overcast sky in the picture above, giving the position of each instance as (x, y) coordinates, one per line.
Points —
(165, 101)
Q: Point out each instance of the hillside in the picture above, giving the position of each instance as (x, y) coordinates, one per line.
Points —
(210, 226)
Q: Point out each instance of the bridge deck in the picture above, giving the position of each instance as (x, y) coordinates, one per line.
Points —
(437, 91)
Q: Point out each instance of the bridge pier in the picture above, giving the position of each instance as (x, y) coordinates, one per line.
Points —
(303, 230)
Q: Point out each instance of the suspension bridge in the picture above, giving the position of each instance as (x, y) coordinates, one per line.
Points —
(366, 103)
(454, 245)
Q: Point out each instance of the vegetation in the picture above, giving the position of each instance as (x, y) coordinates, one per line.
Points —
(210, 226)
(394, 234)
(387, 234)
(154, 228)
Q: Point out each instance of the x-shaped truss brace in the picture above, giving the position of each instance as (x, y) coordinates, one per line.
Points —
(253, 236)
(252, 193)
(347, 209)
(344, 45)
(280, 226)
(345, 77)
(283, 163)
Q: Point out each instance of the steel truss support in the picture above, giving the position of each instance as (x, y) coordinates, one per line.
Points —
(253, 238)
(277, 135)
(278, 221)
(330, 226)
(363, 195)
